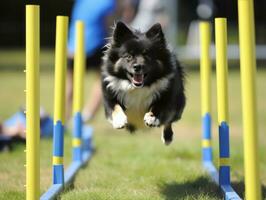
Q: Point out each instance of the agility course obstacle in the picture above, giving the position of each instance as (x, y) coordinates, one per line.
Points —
(248, 68)
(222, 104)
(32, 102)
(82, 135)
(81, 142)
(221, 176)
(248, 89)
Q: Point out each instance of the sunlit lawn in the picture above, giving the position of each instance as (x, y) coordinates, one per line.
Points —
(135, 166)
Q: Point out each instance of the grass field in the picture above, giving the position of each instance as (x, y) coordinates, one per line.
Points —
(135, 166)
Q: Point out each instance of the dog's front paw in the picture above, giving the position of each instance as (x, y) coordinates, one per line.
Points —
(150, 120)
(119, 120)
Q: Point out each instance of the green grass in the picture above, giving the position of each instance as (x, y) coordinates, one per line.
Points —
(135, 166)
(14, 59)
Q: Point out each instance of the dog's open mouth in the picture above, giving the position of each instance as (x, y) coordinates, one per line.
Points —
(137, 79)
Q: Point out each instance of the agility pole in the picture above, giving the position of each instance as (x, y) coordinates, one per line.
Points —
(78, 92)
(205, 77)
(205, 73)
(59, 98)
(222, 105)
(222, 99)
(249, 106)
(32, 102)
(59, 108)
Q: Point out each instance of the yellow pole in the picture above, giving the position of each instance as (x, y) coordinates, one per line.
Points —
(32, 102)
(60, 68)
(79, 68)
(249, 107)
(59, 98)
(205, 67)
(221, 69)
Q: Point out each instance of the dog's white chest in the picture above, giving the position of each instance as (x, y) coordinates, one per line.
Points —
(139, 99)
(137, 103)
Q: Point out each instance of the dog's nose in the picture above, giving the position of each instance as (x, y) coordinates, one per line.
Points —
(137, 67)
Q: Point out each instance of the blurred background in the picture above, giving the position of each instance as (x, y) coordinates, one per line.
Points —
(180, 24)
(136, 164)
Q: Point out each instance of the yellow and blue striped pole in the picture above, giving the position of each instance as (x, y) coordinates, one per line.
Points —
(205, 73)
(222, 99)
(32, 102)
(248, 81)
(79, 68)
(59, 98)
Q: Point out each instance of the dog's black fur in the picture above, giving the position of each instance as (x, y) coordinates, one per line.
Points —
(142, 79)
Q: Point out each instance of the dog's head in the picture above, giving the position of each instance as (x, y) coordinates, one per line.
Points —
(141, 58)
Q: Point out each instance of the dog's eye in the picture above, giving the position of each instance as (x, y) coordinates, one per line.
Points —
(129, 57)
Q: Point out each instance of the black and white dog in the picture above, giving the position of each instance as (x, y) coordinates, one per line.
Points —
(142, 81)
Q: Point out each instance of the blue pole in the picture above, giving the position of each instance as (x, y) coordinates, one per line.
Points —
(224, 166)
(58, 153)
(77, 137)
(59, 98)
(206, 138)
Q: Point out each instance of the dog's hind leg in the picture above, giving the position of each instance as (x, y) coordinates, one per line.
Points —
(167, 134)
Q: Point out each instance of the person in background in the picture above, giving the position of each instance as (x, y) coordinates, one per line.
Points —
(97, 17)
(205, 9)
(127, 10)
(15, 125)
(9, 135)
(18, 130)
(13, 129)
(150, 12)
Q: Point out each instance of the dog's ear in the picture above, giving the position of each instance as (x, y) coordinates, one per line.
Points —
(121, 33)
(155, 32)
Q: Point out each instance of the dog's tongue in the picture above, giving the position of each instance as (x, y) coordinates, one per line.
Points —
(138, 78)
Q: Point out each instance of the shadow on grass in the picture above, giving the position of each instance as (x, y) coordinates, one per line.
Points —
(201, 187)
(239, 187)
